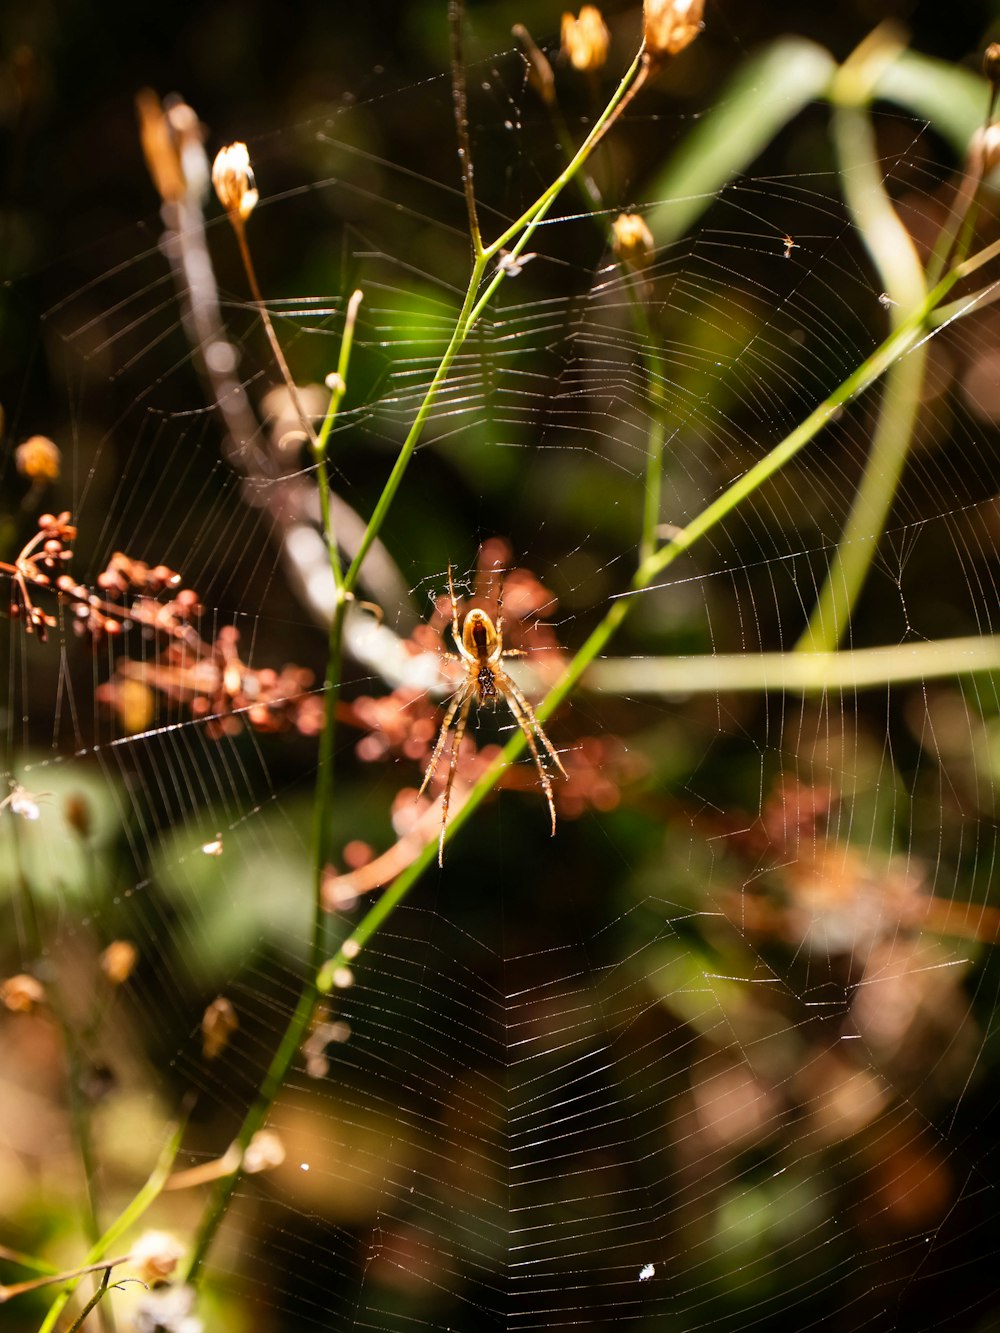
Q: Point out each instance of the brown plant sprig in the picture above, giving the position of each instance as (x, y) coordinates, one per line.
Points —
(40, 567)
(216, 685)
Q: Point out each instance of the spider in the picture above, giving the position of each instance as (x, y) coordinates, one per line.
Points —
(480, 648)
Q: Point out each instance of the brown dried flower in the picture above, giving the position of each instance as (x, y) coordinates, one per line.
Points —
(632, 240)
(585, 39)
(76, 812)
(991, 62)
(118, 961)
(159, 148)
(218, 1024)
(38, 459)
(234, 182)
(21, 993)
(540, 74)
(264, 1152)
(156, 1255)
(670, 25)
(984, 149)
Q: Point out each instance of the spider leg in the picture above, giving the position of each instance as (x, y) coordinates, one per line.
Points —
(522, 720)
(456, 745)
(529, 713)
(453, 708)
(456, 633)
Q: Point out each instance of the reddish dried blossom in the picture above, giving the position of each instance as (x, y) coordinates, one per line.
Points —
(209, 678)
(41, 566)
(214, 683)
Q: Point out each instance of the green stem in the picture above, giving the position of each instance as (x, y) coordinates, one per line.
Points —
(459, 334)
(798, 672)
(127, 1218)
(95, 1300)
(80, 1121)
(634, 78)
(338, 387)
(901, 274)
(31, 923)
(831, 616)
(301, 1019)
(252, 1122)
(656, 434)
(78, 1110)
(472, 307)
(900, 341)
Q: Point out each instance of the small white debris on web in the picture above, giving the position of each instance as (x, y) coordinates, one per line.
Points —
(886, 300)
(513, 264)
(303, 1166)
(646, 1272)
(213, 847)
(167, 1309)
(24, 804)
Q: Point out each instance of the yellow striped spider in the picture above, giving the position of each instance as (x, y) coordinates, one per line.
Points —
(480, 649)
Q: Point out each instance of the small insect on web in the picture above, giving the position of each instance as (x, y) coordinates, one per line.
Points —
(480, 649)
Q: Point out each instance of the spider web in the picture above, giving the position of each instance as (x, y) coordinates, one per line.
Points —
(718, 1055)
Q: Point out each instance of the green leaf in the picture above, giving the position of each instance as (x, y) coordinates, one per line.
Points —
(951, 99)
(769, 91)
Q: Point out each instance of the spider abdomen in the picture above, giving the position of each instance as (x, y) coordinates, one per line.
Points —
(486, 684)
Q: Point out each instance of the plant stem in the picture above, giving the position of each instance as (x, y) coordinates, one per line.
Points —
(253, 1121)
(656, 434)
(633, 80)
(899, 268)
(298, 1026)
(849, 669)
(337, 390)
(127, 1218)
(415, 432)
(456, 16)
(239, 227)
(856, 549)
(95, 1300)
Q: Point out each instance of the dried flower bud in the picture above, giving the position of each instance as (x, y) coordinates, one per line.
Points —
(632, 240)
(585, 39)
(156, 1255)
(984, 150)
(670, 25)
(76, 812)
(233, 179)
(218, 1024)
(159, 148)
(991, 62)
(540, 74)
(135, 705)
(264, 1152)
(118, 961)
(38, 459)
(21, 993)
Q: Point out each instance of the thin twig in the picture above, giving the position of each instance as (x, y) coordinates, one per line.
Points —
(456, 24)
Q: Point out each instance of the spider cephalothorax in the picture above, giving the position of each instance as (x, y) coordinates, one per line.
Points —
(480, 649)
